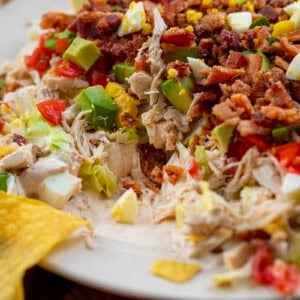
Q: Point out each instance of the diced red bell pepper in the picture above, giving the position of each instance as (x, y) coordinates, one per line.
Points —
(193, 168)
(288, 156)
(66, 68)
(52, 110)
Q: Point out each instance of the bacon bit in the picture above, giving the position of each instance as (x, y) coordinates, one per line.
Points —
(236, 60)
(179, 37)
(281, 63)
(128, 183)
(254, 65)
(286, 115)
(288, 48)
(109, 20)
(152, 186)
(151, 157)
(219, 74)
(157, 175)
(86, 24)
(19, 139)
(210, 23)
(272, 13)
(277, 95)
(174, 173)
(181, 67)
(229, 39)
(252, 235)
(56, 20)
(250, 127)
(172, 9)
(128, 121)
(141, 64)
(295, 88)
(10, 87)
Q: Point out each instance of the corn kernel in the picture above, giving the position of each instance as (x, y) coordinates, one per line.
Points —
(193, 16)
(250, 6)
(282, 27)
(172, 73)
(182, 92)
(147, 28)
(132, 5)
(214, 10)
(206, 2)
(189, 28)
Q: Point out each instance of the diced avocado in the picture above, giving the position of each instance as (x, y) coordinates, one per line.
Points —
(77, 4)
(262, 21)
(82, 52)
(103, 109)
(172, 53)
(222, 135)
(123, 71)
(3, 180)
(178, 92)
(266, 63)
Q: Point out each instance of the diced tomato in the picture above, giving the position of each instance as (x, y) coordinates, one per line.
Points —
(261, 261)
(193, 168)
(66, 68)
(256, 140)
(61, 45)
(97, 78)
(38, 61)
(52, 110)
(42, 47)
(284, 278)
(141, 64)
(288, 156)
(179, 37)
(2, 123)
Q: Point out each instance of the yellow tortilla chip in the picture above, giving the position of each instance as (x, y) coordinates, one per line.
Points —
(29, 229)
(174, 270)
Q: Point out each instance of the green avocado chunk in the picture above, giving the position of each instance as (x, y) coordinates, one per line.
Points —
(266, 64)
(82, 53)
(3, 180)
(123, 71)
(222, 135)
(179, 53)
(103, 109)
(178, 92)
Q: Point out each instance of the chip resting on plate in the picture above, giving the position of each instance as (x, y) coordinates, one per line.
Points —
(29, 229)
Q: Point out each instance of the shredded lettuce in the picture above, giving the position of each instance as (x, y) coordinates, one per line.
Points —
(101, 178)
(124, 135)
(37, 127)
(60, 139)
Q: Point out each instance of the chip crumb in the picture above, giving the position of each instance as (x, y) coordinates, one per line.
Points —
(173, 270)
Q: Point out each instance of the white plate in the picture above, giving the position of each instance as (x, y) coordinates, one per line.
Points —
(113, 266)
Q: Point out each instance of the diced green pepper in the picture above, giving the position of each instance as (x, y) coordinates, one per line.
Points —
(82, 53)
(262, 21)
(283, 134)
(178, 92)
(222, 134)
(123, 71)
(179, 53)
(103, 109)
(3, 180)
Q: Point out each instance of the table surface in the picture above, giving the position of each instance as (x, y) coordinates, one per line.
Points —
(40, 284)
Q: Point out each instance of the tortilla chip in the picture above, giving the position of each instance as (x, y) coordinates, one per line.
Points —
(29, 229)
(173, 270)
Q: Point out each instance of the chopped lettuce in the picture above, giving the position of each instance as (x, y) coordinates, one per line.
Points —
(101, 178)
(60, 139)
(124, 136)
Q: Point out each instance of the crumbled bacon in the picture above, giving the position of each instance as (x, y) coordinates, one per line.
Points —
(19, 139)
(128, 183)
(157, 175)
(219, 74)
(56, 20)
(285, 115)
(288, 47)
(174, 173)
(281, 63)
(250, 127)
(152, 185)
(254, 65)
(182, 68)
(127, 120)
(229, 39)
(10, 87)
(236, 60)
(179, 37)
(277, 95)
(271, 13)
(210, 23)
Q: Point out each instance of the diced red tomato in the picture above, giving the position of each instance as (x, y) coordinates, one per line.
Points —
(141, 64)
(193, 168)
(61, 45)
(179, 37)
(66, 68)
(38, 61)
(2, 123)
(256, 140)
(43, 48)
(288, 156)
(52, 110)
(97, 78)
(284, 278)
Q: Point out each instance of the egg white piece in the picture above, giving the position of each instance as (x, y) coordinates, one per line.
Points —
(293, 71)
(239, 21)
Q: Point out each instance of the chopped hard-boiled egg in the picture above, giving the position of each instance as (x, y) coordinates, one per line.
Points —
(133, 20)
(173, 270)
(291, 8)
(291, 186)
(295, 18)
(239, 21)
(59, 188)
(197, 65)
(126, 208)
(293, 71)
(282, 27)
